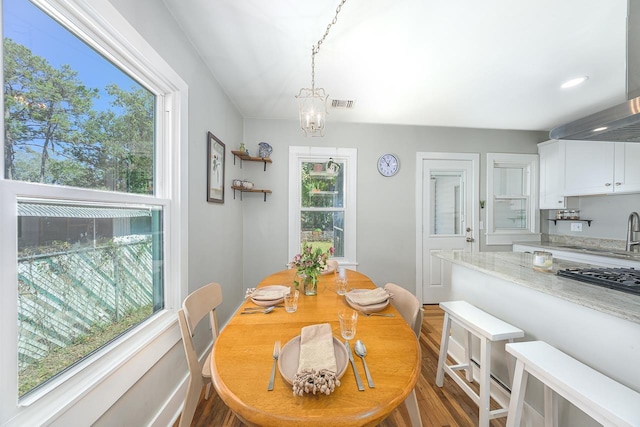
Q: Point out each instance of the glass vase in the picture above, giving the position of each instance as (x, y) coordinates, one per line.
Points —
(310, 285)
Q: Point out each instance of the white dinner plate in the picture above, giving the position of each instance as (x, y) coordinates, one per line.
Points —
(290, 356)
(269, 295)
(373, 308)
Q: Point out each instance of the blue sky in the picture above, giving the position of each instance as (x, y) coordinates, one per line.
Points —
(26, 24)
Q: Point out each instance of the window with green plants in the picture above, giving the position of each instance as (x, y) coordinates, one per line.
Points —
(322, 212)
(322, 202)
(80, 146)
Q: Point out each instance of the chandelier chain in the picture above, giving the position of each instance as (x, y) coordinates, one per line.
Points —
(315, 49)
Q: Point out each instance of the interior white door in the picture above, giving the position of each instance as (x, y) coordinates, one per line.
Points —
(449, 218)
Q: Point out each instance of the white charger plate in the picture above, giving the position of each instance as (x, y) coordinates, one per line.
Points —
(373, 308)
(265, 300)
(290, 356)
(267, 303)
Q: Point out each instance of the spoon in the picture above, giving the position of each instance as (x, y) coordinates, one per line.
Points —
(266, 311)
(361, 351)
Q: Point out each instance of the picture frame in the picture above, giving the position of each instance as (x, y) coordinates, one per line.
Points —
(215, 169)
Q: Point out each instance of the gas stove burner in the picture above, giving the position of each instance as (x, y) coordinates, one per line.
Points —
(620, 279)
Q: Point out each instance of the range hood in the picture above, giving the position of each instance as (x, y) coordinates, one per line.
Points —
(620, 123)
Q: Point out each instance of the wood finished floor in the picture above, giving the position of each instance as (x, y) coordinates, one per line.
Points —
(439, 407)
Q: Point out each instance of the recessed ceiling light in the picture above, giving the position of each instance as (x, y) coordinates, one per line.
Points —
(574, 82)
(600, 129)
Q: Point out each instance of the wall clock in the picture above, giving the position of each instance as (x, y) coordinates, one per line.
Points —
(388, 165)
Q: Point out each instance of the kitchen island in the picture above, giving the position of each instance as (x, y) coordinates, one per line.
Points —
(598, 326)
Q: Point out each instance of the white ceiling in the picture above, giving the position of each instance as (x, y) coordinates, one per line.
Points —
(463, 63)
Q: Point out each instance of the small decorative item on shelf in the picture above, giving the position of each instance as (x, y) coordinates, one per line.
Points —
(332, 167)
(247, 185)
(236, 183)
(310, 262)
(264, 150)
(242, 148)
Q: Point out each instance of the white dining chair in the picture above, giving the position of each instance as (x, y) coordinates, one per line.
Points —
(412, 312)
(332, 265)
(194, 308)
(408, 305)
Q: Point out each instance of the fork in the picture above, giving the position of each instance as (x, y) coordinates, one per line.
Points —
(378, 314)
(276, 354)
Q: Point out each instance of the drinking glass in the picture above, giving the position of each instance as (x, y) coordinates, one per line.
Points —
(348, 320)
(341, 285)
(341, 281)
(291, 300)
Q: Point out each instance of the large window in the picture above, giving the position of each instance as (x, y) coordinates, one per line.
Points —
(86, 202)
(512, 192)
(322, 202)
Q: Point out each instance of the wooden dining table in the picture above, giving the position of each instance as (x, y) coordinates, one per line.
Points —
(242, 359)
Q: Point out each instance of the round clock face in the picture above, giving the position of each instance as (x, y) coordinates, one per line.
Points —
(388, 165)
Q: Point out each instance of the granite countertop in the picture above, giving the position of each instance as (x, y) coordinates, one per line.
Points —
(518, 268)
(584, 249)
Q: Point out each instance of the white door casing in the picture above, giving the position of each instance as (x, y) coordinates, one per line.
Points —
(447, 216)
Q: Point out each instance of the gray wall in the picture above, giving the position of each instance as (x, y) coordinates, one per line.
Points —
(215, 230)
(386, 206)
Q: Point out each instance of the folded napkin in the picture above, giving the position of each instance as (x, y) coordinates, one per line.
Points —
(267, 295)
(374, 296)
(317, 366)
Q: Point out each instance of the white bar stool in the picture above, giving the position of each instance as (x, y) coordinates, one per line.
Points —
(603, 399)
(488, 329)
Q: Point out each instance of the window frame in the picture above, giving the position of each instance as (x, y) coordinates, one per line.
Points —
(349, 156)
(90, 388)
(529, 164)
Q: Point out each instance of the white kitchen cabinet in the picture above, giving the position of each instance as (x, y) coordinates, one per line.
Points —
(551, 155)
(601, 167)
(626, 170)
(588, 167)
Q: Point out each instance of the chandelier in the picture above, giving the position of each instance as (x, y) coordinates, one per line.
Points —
(312, 103)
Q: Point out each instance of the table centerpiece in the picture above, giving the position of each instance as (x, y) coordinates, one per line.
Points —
(310, 263)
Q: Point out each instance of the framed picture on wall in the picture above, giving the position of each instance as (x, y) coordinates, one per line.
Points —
(215, 169)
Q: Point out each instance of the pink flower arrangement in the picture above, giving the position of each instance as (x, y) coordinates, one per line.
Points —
(310, 262)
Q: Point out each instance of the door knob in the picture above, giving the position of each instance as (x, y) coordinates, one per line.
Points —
(470, 239)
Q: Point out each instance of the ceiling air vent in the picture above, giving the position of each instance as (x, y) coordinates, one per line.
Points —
(342, 103)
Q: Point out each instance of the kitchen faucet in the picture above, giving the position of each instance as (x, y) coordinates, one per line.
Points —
(633, 225)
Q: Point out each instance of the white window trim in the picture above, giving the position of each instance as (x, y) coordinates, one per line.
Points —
(506, 237)
(350, 157)
(88, 390)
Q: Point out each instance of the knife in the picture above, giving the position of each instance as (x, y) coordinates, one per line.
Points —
(353, 365)
(260, 308)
